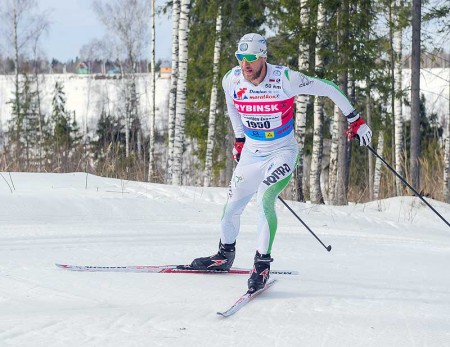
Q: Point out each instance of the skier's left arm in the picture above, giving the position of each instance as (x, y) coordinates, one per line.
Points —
(296, 83)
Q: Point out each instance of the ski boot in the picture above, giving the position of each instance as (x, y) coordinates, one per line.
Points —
(222, 261)
(260, 273)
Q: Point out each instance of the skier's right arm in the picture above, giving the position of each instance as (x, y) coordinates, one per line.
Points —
(235, 118)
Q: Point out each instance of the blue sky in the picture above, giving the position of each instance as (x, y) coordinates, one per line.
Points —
(74, 23)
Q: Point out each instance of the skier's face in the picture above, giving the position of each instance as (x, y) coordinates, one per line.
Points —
(254, 71)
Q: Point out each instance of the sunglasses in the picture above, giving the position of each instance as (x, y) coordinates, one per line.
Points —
(250, 58)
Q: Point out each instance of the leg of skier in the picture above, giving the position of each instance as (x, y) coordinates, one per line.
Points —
(244, 184)
(277, 174)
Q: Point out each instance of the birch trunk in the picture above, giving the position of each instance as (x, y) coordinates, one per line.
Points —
(301, 103)
(369, 122)
(447, 150)
(151, 151)
(332, 174)
(341, 196)
(446, 189)
(378, 162)
(317, 152)
(415, 94)
(398, 114)
(178, 145)
(213, 102)
(173, 88)
(316, 196)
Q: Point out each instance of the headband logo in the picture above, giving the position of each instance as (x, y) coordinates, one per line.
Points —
(243, 47)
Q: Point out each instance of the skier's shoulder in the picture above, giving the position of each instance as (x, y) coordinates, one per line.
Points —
(293, 78)
(277, 71)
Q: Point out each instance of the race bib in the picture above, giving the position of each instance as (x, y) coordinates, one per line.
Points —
(262, 122)
(266, 120)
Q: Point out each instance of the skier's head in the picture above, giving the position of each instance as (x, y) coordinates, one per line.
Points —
(252, 56)
(251, 47)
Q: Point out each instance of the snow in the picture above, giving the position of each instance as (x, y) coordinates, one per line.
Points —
(385, 283)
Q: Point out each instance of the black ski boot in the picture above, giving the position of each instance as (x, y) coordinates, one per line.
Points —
(261, 272)
(223, 260)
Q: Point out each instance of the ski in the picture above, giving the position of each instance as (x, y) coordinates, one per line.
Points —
(244, 300)
(163, 269)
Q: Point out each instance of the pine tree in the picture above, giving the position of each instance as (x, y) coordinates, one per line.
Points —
(65, 133)
(23, 127)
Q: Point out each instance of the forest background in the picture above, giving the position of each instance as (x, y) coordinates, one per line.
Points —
(364, 46)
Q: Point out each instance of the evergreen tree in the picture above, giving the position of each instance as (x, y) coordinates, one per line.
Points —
(109, 146)
(23, 127)
(65, 133)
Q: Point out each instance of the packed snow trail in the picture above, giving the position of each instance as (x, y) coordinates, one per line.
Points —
(386, 282)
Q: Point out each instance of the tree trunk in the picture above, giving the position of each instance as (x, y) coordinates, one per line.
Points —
(213, 102)
(316, 196)
(151, 159)
(181, 94)
(378, 167)
(317, 152)
(447, 150)
(301, 103)
(332, 173)
(415, 94)
(173, 88)
(369, 123)
(398, 114)
(342, 172)
(378, 162)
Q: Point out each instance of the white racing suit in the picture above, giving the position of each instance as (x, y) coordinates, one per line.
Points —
(264, 114)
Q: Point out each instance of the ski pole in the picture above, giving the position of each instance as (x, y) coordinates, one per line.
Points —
(406, 183)
(328, 248)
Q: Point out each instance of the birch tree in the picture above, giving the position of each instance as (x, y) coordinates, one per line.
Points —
(446, 188)
(378, 167)
(173, 88)
(178, 147)
(332, 172)
(151, 150)
(317, 151)
(301, 104)
(397, 92)
(342, 169)
(415, 93)
(378, 162)
(213, 103)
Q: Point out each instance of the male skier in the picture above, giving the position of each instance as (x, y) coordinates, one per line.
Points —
(260, 102)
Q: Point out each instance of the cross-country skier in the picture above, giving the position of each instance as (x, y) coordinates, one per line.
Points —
(260, 101)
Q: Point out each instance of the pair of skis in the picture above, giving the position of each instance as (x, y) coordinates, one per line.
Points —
(241, 302)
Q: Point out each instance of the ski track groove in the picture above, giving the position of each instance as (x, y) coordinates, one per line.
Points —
(37, 330)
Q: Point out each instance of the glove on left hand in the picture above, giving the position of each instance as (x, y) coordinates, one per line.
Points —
(359, 129)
